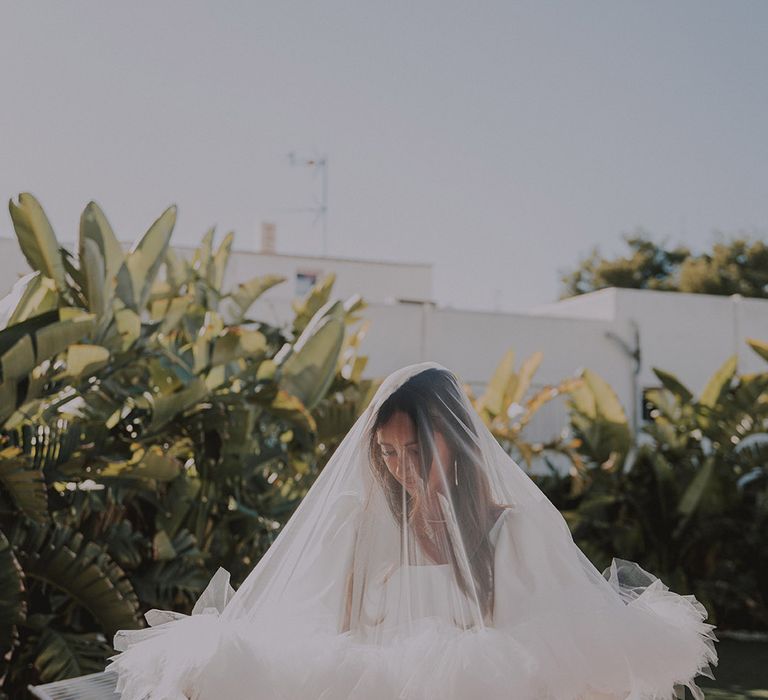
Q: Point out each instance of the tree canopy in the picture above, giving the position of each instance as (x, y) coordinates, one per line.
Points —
(737, 265)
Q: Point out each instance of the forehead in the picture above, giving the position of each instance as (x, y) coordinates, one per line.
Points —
(399, 428)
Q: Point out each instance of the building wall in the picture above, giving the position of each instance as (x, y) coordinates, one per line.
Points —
(377, 281)
(691, 335)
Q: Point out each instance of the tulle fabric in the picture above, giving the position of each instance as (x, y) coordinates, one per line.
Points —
(647, 649)
(348, 605)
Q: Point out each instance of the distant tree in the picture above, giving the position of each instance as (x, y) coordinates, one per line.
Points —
(738, 265)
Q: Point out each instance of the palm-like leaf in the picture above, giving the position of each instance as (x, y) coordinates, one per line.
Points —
(68, 654)
(311, 367)
(169, 578)
(137, 274)
(12, 601)
(81, 570)
(25, 484)
(752, 451)
(674, 385)
(315, 299)
(246, 293)
(31, 295)
(37, 240)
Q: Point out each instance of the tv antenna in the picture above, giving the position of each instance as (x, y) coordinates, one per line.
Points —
(319, 165)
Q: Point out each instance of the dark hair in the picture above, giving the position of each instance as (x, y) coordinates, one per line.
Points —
(435, 402)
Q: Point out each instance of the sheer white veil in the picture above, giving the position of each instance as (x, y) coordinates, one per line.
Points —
(420, 527)
(358, 527)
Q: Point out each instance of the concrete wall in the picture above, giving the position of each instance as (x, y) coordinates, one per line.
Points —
(690, 335)
(472, 343)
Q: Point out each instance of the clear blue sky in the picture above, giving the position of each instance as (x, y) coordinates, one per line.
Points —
(498, 140)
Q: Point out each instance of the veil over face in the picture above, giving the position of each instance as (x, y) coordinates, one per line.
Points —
(401, 523)
(424, 562)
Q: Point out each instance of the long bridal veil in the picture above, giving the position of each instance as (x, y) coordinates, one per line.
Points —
(423, 563)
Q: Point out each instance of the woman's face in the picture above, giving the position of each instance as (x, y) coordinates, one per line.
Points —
(400, 450)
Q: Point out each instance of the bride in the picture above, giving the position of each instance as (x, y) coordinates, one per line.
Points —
(423, 564)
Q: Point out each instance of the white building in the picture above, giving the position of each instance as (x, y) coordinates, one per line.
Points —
(621, 334)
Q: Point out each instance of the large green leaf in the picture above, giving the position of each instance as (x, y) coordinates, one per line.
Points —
(238, 343)
(528, 369)
(37, 240)
(68, 654)
(759, 346)
(219, 262)
(98, 293)
(177, 270)
(24, 484)
(57, 337)
(606, 401)
(166, 407)
(310, 368)
(95, 227)
(27, 344)
(137, 273)
(164, 580)
(83, 571)
(674, 385)
(101, 257)
(753, 451)
(666, 403)
(719, 382)
(203, 255)
(170, 312)
(178, 500)
(315, 299)
(153, 463)
(32, 295)
(246, 293)
(751, 393)
(10, 335)
(83, 360)
(698, 489)
(582, 400)
(496, 389)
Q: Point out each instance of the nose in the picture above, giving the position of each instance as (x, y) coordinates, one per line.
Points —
(396, 465)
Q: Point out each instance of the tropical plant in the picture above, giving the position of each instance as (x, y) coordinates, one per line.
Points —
(150, 431)
(689, 500)
(507, 406)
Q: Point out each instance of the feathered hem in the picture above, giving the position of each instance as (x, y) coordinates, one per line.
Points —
(648, 649)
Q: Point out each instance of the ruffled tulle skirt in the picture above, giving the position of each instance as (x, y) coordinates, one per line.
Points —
(649, 648)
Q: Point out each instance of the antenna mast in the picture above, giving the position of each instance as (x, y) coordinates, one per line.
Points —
(320, 164)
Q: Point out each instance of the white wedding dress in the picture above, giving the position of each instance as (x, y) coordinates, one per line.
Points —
(345, 606)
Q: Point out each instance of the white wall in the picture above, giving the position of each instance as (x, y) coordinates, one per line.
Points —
(472, 343)
(378, 281)
(689, 335)
(600, 305)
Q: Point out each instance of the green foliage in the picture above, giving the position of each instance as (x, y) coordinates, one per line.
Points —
(690, 501)
(150, 431)
(737, 265)
(599, 423)
(507, 405)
